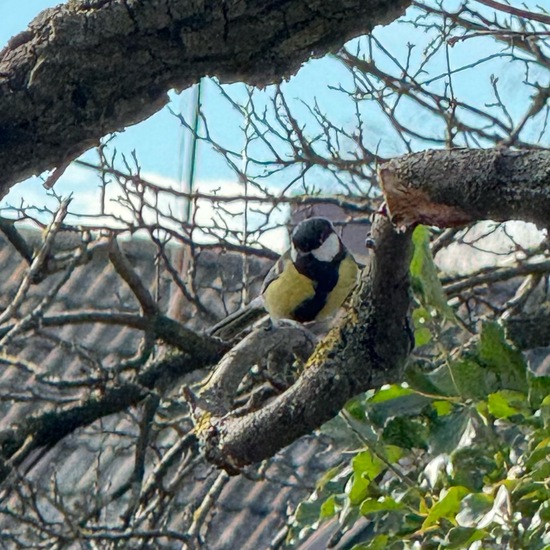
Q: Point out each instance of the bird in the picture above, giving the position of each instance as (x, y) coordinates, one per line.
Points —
(309, 282)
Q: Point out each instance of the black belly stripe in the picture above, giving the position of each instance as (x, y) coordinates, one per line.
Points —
(324, 276)
(310, 308)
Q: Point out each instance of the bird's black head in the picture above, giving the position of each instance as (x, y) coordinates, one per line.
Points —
(310, 234)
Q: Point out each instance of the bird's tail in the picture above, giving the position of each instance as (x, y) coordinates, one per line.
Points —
(232, 325)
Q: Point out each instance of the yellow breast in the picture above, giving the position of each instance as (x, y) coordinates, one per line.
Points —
(287, 292)
(348, 274)
(290, 288)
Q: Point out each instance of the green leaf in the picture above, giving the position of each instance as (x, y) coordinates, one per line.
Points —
(358, 489)
(539, 388)
(410, 404)
(366, 467)
(422, 334)
(392, 453)
(447, 507)
(329, 508)
(384, 504)
(506, 403)
(327, 477)
(544, 512)
(427, 383)
(471, 465)
(424, 275)
(545, 411)
(391, 392)
(380, 542)
(529, 492)
(307, 512)
(460, 378)
(405, 432)
(462, 537)
(542, 472)
(471, 381)
(446, 431)
(443, 408)
(506, 361)
(496, 366)
(356, 408)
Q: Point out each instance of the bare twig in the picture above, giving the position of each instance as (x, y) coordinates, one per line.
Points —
(38, 262)
(132, 279)
(493, 275)
(14, 237)
(518, 12)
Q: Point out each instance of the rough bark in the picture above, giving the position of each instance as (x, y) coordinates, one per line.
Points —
(444, 188)
(367, 350)
(454, 187)
(90, 67)
(46, 428)
(282, 344)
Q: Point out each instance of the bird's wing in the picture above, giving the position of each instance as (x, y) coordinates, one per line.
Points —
(234, 324)
(275, 271)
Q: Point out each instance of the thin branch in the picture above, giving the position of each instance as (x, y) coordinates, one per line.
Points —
(522, 14)
(18, 242)
(494, 275)
(48, 428)
(38, 262)
(132, 279)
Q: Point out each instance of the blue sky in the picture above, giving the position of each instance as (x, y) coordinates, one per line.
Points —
(160, 140)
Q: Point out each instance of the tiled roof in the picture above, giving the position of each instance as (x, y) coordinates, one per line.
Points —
(66, 483)
(69, 480)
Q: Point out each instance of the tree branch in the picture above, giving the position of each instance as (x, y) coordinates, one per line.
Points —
(491, 275)
(132, 279)
(522, 14)
(84, 69)
(367, 350)
(49, 427)
(454, 187)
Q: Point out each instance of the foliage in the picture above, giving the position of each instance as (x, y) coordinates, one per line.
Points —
(455, 457)
(98, 440)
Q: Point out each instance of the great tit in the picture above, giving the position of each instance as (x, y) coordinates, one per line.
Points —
(309, 282)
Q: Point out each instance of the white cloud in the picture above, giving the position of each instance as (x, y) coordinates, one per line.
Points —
(222, 218)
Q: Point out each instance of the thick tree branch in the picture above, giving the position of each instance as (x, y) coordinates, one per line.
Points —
(458, 186)
(289, 339)
(367, 350)
(164, 328)
(49, 427)
(446, 188)
(87, 68)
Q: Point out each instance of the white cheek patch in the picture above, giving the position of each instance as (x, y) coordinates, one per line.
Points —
(293, 254)
(328, 250)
